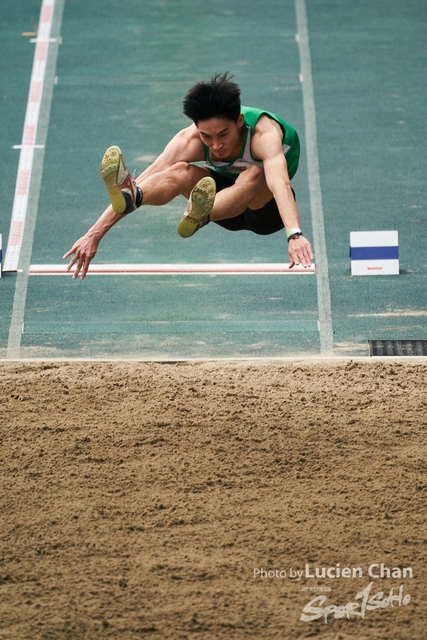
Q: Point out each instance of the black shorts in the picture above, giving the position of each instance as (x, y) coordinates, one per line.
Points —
(261, 221)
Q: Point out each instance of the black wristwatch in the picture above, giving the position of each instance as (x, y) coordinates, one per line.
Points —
(296, 235)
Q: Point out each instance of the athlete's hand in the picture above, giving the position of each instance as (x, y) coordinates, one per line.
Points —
(300, 252)
(83, 251)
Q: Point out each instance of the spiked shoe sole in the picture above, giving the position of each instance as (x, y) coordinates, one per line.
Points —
(201, 201)
(109, 169)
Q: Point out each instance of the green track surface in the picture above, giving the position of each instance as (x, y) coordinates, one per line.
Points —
(121, 78)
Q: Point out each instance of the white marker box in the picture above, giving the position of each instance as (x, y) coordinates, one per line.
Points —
(374, 253)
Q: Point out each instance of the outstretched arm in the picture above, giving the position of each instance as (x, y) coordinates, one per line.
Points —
(267, 145)
(84, 250)
(184, 146)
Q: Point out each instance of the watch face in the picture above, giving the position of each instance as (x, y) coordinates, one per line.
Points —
(292, 232)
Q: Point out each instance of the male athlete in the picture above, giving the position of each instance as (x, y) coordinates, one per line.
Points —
(250, 157)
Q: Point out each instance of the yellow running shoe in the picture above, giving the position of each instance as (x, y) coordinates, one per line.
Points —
(121, 186)
(201, 201)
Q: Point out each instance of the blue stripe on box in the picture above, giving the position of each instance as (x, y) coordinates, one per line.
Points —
(374, 253)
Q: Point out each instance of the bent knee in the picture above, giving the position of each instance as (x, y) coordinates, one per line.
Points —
(186, 175)
(253, 175)
(254, 180)
(254, 172)
(180, 168)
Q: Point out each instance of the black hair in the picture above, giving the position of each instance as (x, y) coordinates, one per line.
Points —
(217, 98)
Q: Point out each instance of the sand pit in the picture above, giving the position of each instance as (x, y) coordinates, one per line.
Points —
(144, 500)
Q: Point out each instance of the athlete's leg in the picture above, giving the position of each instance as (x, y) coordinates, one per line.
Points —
(162, 187)
(249, 191)
(261, 216)
(127, 194)
(246, 204)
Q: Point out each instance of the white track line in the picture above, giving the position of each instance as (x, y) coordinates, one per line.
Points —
(25, 209)
(175, 269)
(319, 240)
(29, 136)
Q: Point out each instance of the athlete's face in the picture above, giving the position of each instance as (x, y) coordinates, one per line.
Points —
(222, 136)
